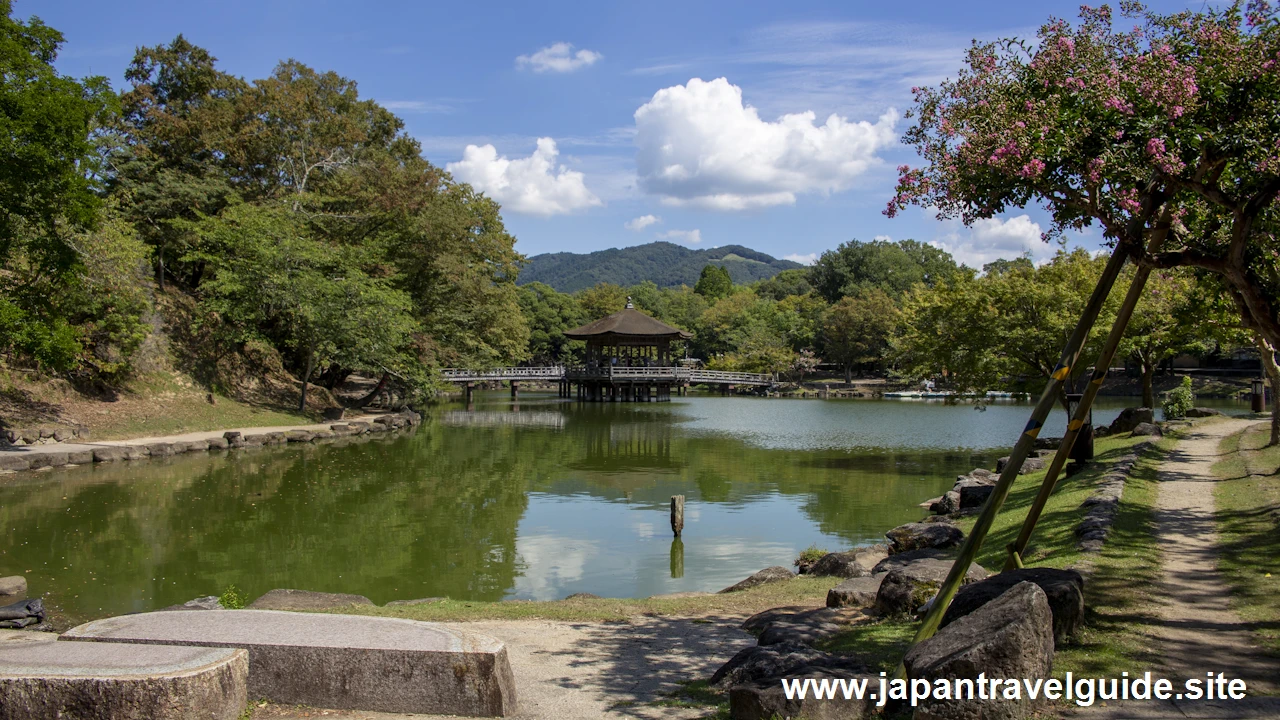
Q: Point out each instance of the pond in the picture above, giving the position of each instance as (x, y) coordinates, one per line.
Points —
(534, 500)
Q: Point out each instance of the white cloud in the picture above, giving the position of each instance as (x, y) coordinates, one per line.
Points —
(693, 237)
(806, 259)
(558, 57)
(419, 106)
(995, 238)
(699, 144)
(534, 185)
(642, 222)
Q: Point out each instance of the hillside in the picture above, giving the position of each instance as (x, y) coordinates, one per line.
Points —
(663, 263)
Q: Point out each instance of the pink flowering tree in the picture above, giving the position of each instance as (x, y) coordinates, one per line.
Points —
(1140, 124)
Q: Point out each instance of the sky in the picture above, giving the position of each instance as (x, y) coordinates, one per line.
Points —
(605, 124)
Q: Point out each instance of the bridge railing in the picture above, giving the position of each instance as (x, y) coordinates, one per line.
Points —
(554, 372)
(722, 376)
(619, 372)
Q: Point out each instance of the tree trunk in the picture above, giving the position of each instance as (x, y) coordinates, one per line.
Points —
(848, 374)
(382, 384)
(306, 375)
(1148, 391)
(1272, 371)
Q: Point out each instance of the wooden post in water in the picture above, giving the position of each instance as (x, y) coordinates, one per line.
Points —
(677, 514)
(515, 390)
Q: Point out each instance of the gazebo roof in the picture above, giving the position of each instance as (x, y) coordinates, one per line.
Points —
(630, 323)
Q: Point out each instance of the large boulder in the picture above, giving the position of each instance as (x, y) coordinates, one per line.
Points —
(1130, 418)
(1201, 412)
(855, 592)
(947, 504)
(759, 662)
(975, 496)
(765, 700)
(852, 564)
(1030, 465)
(916, 536)
(1148, 429)
(804, 625)
(284, 599)
(1009, 637)
(1064, 590)
(909, 586)
(12, 589)
(777, 573)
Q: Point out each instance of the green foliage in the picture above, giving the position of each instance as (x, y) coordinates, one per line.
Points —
(662, 263)
(785, 284)
(891, 267)
(809, 556)
(548, 314)
(857, 329)
(714, 282)
(1178, 401)
(232, 598)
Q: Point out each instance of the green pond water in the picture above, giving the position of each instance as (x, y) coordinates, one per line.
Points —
(536, 499)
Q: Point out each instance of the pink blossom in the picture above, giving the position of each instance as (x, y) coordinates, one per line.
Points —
(1032, 169)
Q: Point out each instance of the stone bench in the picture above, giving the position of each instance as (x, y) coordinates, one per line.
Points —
(345, 662)
(43, 678)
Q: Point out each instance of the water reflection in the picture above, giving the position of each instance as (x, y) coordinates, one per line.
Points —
(555, 498)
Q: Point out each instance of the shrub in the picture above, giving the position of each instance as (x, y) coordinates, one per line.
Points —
(808, 557)
(232, 598)
(1178, 401)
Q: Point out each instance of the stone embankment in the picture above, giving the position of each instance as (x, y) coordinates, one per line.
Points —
(15, 458)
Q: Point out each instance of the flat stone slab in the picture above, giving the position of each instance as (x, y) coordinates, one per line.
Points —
(40, 677)
(346, 662)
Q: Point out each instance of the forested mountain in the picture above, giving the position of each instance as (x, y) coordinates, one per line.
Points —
(662, 263)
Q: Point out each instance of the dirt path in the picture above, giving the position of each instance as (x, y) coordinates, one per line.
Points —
(1200, 632)
(583, 671)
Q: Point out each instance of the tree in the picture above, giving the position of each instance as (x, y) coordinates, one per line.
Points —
(48, 177)
(714, 283)
(602, 300)
(1165, 132)
(856, 330)
(785, 284)
(548, 314)
(892, 267)
(986, 332)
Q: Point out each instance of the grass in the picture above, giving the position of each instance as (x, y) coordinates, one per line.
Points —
(1248, 512)
(800, 591)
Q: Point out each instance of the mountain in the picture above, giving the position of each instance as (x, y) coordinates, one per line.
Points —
(663, 263)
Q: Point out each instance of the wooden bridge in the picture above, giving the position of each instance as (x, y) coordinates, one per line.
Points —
(610, 383)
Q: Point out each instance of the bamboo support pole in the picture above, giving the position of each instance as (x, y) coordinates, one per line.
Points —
(1048, 398)
(1078, 419)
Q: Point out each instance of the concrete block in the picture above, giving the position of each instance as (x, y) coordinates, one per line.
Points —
(345, 662)
(43, 678)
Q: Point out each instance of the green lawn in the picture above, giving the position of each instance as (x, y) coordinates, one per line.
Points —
(1248, 502)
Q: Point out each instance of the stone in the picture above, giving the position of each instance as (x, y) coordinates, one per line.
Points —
(48, 459)
(1201, 412)
(63, 434)
(1030, 465)
(208, 602)
(1130, 418)
(1047, 443)
(160, 449)
(12, 589)
(110, 453)
(344, 662)
(947, 504)
(858, 562)
(1064, 590)
(807, 625)
(1147, 429)
(233, 438)
(299, 436)
(275, 438)
(196, 446)
(43, 678)
(334, 413)
(137, 452)
(910, 585)
(255, 440)
(855, 592)
(418, 601)
(359, 427)
(916, 536)
(14, 461)
(1009, 637)
(285, 599)
(777, 573)
(765, 700)
(79, 457)
(766, 661)
(975, 496)
(21, 614)
(218, 443)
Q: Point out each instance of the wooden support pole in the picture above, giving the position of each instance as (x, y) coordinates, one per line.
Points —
(1070, 354)
(515, 389)
(677, 514)
(1076, 424)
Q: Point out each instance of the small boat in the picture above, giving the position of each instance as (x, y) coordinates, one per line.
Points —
(903, 394)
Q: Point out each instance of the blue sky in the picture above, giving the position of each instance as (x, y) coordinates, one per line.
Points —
(606, 124)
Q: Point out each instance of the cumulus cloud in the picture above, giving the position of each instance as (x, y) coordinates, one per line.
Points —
(642, 222)
(699, 144)
(693, 237)
(534, 185)
(806, 259)
(994, 238)
(558, 57)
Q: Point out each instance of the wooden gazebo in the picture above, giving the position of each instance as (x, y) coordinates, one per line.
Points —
(628, 358)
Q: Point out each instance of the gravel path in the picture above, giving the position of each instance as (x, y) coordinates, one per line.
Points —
(583, 671)
(1200, 632)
